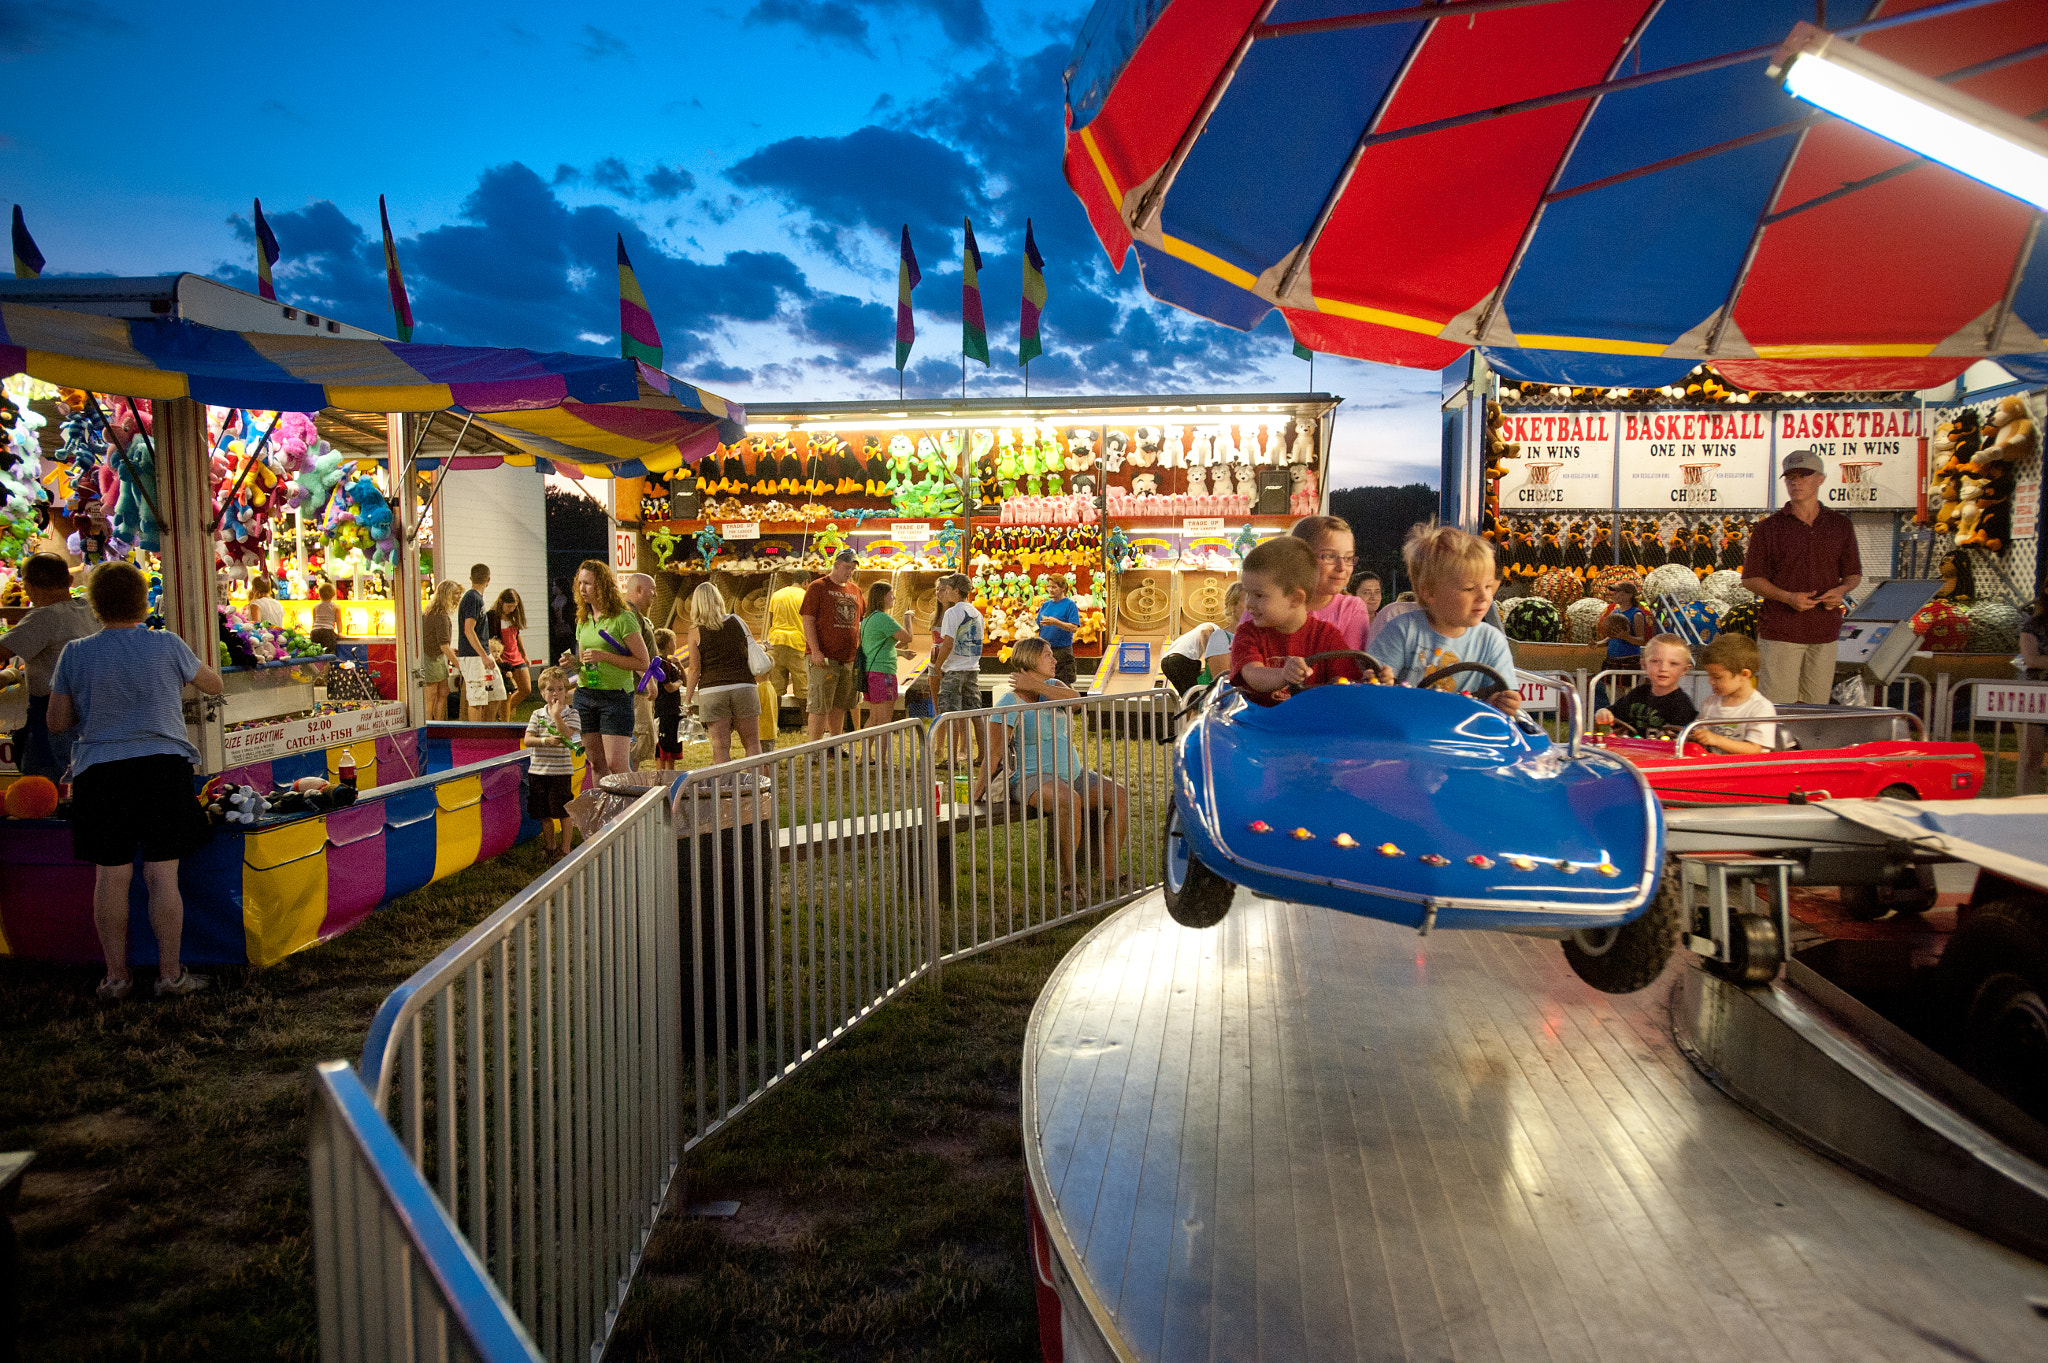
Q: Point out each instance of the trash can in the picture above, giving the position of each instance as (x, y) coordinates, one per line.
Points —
(725, 842)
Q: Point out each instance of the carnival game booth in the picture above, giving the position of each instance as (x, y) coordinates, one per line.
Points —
(1144, 505)
(431, 798)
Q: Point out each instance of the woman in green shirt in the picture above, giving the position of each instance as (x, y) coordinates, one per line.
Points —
(605, 676)
(882, 639)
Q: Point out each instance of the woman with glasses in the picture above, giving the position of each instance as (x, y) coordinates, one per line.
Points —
(1329, 538)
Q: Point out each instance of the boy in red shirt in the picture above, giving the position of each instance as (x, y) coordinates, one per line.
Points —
(1268, 656)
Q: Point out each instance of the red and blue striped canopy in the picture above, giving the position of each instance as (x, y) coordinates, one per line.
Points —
(1592, 191)
(583, 413)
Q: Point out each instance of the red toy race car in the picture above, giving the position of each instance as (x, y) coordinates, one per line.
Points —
(1826, 752)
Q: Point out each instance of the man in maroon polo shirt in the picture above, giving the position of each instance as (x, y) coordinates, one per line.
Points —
(1802, 561)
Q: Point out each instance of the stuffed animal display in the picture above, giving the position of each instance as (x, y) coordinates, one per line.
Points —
(1972, 472)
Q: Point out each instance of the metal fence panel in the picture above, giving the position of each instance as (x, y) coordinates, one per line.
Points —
(533, 1068)
(2013, 749)
(395, 1279)
(806, 894)
(1043, 847)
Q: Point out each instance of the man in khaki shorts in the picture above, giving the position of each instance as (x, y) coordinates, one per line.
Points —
(786, 648)
(831, 622)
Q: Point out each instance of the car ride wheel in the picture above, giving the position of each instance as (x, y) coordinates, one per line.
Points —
(1196, 897)
(1623, 959)
(1898, 790)
(1993, 987)
(1752, 950)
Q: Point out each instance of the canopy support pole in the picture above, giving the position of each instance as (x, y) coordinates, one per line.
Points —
(1756, 241)
(405, 584)
(1564, 158)
(184, 486)
(1154, 202)
(2012, 286)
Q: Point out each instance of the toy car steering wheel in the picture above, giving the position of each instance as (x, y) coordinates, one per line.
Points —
(1499, 682)
(1367, 664)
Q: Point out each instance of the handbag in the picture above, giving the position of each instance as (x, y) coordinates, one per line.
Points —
(758, 661)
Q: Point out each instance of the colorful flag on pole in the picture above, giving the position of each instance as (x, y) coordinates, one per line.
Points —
(266, 255)
(638, 338)
(1302, 352)
(1028, 347)
(973, 330)
(401, 306)
(907, 278)
(28, 261)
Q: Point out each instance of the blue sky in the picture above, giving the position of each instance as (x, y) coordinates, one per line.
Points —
(760, 158)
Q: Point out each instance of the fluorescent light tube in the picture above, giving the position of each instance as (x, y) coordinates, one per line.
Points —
(1918, 112)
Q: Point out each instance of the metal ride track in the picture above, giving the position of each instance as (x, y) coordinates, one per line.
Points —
(1307, 1135)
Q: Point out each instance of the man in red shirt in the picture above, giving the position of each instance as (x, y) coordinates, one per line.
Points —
(831, 620)
(1802, 561)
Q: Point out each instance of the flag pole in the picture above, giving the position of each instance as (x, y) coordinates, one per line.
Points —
(1027, 378)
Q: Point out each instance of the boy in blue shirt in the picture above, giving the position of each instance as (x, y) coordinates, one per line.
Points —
(1454, 584)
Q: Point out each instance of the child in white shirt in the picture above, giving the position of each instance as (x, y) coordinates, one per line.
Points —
(1731, 662)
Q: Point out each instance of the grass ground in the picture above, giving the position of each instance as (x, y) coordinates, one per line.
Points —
(166, 1216)
(881, 1194)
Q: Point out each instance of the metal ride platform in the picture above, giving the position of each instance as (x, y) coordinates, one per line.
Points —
(1303, 1135)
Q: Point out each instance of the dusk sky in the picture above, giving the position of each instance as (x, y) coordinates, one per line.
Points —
(759, 157)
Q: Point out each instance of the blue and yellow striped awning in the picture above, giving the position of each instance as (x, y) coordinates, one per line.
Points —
(599, 415)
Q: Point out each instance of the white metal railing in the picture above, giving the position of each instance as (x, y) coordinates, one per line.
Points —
(532, 1071)
(1908, 691)
(547, 1073)
(806, 892)
(2013, 748)
(1033, 851)
(395, 1278)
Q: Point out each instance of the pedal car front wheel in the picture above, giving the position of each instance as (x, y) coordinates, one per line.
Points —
(1624, 959)
(1196, 897)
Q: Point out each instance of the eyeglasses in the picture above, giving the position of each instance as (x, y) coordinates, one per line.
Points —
(1345, 560)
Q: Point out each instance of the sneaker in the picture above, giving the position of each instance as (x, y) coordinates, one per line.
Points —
(111, 989)
(187, 983)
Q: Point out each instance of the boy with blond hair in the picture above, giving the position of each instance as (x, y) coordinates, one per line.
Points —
(1657, 703)
(1454, 584)
(555, 734)
(1269, 655)
(1731, 662)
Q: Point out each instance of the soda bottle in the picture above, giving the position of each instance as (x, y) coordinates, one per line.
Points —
(347, 773)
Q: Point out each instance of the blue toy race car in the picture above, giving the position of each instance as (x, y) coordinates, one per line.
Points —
(1424, 808)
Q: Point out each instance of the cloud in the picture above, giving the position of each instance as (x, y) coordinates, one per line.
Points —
(277, 108)
(522, 268)
(980, 147)
(611, 174)
(964, 22)
(829, 21)
(28, 30)
(668, 182)
(854, 329)
(518, 34)
(873, 177)
(597, 44)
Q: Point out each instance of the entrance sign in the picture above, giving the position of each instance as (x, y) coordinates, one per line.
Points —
(1567, 461)
(2014, 702)
(1872, 456)
(1694, 461)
